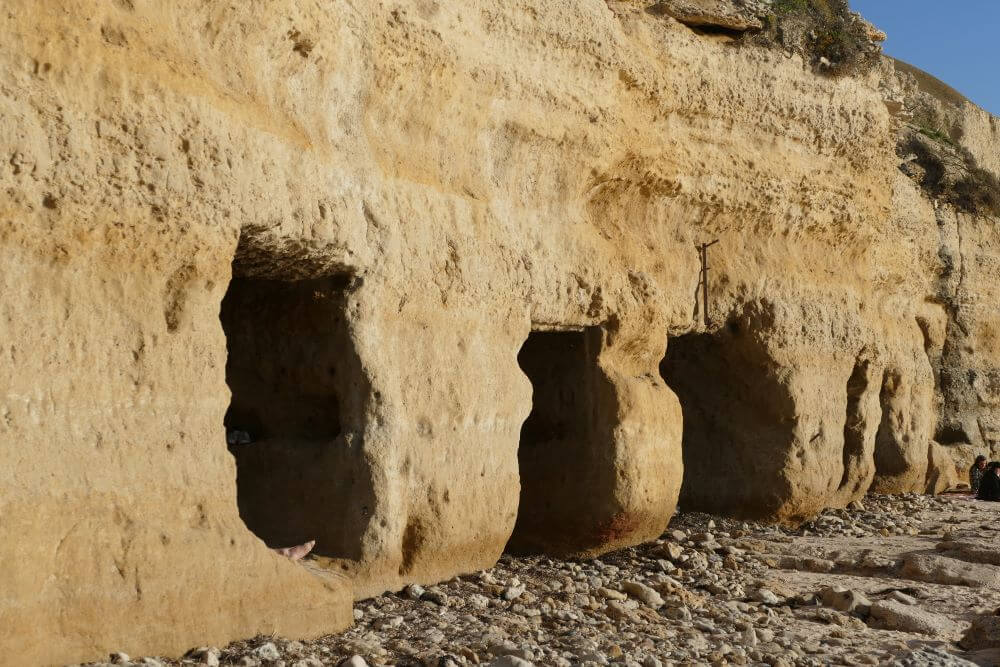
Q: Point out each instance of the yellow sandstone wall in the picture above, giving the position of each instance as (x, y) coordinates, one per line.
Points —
(455, 177)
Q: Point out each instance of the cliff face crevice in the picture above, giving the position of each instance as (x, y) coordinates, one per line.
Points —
(342, 223)
(861, 419)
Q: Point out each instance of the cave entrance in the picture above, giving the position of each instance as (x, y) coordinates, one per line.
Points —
(692, 368)
(555, 452)
(293, 422)
(855, 427)
(283, 361)
(736, 427)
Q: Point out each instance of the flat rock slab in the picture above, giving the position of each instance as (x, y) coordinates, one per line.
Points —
(894, 615)
(975, 551)
(709, 13)
(944, 570)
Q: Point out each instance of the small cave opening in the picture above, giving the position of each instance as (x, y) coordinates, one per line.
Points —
(292, 425)
(951, 433)
(283, 363)
(892, 439)
(889, 460)
(736, 415)
(554, 454)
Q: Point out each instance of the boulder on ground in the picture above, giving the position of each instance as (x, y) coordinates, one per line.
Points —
(846, 600)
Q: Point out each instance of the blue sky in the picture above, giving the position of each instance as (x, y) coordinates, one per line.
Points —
(955, 40)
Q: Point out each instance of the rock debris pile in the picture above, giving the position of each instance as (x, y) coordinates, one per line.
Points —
(877, 515)
(906, 580)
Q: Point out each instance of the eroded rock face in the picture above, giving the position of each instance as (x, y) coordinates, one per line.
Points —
(943, 135)
(775, 431)
(338, 230)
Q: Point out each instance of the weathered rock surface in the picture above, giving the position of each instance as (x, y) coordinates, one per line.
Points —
(943, 124)
(895, 615)
(984, 633)
(931, 657)
(430, 257)
(972, 550)
(943, 570)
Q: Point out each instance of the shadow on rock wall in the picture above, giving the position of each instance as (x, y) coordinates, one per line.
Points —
(738, 421)
(778, 427)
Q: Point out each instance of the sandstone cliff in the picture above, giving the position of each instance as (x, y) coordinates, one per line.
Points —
(383, 236)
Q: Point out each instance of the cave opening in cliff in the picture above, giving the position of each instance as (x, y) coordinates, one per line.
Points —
(893, 461)
(283, 362)
(736, 411)
(554, 438)
(690, 368)
(296, 387)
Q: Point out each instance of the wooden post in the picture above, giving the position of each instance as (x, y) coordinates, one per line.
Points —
(703, 253)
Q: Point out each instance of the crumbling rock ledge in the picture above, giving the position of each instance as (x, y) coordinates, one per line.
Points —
(710, 13)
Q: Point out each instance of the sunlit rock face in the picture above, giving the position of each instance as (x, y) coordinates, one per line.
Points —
(438, 263)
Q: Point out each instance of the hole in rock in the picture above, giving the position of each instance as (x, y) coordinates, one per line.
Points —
(295, 412)
(737, 416)
(718, 32)
(553, 456)
(951, 434)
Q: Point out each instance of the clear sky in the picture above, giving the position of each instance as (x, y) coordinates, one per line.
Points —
(958, 41)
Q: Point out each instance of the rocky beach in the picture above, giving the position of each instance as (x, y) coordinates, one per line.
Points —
(891, 580)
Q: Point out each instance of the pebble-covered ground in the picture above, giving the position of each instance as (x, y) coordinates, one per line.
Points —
(907, 580)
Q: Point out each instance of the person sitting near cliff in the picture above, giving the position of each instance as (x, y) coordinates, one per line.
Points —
(976, 473)
(989, 486)
(300, 551)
